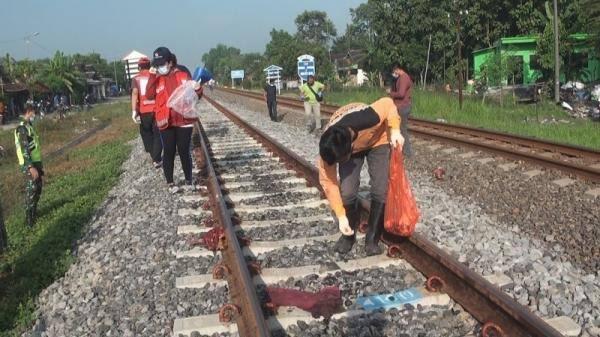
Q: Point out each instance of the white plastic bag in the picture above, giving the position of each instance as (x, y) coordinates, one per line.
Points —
(183, 100)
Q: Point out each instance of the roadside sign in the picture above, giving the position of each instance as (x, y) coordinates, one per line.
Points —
(306, 66)
(389, 301)
(235, 74)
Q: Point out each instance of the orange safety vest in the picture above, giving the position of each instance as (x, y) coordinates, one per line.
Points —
(145, 105)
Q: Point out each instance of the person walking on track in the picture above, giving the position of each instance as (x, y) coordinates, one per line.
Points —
(357, 131)
(3, 234)
(142, 113)
(29, 154)
(312, 93)
(401, 92)
(175, 130)
(270, 96)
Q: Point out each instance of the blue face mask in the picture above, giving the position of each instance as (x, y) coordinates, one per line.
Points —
(163, 70)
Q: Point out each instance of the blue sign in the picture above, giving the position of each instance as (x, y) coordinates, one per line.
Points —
(306, 66)
(389, 301)
(237, 74)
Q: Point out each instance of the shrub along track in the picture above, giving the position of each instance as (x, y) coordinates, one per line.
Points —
(251, 191)
(579, 161)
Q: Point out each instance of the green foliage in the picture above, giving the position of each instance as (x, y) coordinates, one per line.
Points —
(62, 74)
(315, 27)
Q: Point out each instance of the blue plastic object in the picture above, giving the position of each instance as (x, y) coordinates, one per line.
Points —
(389, 301)
(202, 75)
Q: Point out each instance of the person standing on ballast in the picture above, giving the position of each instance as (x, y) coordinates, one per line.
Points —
(401, 93)
(175, 130)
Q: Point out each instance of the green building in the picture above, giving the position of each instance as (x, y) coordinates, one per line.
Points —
(520, 52)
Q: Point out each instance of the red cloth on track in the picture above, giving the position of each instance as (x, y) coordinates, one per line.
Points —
(324, 303)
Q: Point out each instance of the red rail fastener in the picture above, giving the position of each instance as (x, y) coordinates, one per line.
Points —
(394, 251)
(228, 313)
(435, 284)
(206, 206)
(220, 271)
(491, 330)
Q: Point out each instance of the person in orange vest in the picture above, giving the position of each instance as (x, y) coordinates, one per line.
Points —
(142, 113)
(175, 129)
(357, 132)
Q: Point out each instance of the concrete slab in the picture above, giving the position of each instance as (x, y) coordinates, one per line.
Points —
(268, 223)
(593, 193)
(205, 325)
(193, 198)
(185, 212)
(565, 325)
(245, 161)
(485, 160)
(419, 142)
(450, 150)
(237, 197)
(467, 155)
(502, 281)
(291, 180)
(182, 230)
(240, 177)
(596, 166)
(508, 167)
(547, 154)
(532, 173)
(259, 208)
(435, 147)
(195, 252)
(564, 182)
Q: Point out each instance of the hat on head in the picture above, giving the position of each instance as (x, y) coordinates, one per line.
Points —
(161, 56)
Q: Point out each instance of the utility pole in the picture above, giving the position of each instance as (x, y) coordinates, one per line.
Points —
(460, 70)
(556, 55)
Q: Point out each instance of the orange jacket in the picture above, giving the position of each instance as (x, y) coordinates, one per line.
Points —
(368, 138)
(145, 105)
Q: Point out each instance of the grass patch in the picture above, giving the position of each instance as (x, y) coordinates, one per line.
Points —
(75, 185)
(544, 120)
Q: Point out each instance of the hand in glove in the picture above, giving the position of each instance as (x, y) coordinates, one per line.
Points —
(135, 117)
(344, 226)
(197, 85)
(396, 139)
(152, 70)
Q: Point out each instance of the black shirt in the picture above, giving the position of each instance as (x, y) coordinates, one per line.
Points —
(271, 91)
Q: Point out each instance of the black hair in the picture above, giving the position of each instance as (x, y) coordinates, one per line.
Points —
(396, 65)
(311, 76)
(173, 59)
(335, 144)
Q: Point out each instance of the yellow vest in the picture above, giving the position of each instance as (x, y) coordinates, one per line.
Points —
(34, 144)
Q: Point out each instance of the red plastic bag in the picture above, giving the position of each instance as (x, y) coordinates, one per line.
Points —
(401, 211)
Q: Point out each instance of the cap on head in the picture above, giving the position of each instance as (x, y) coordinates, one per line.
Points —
(161, 56)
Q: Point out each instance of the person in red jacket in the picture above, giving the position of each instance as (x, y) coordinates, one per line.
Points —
(142, 112)
(175, 130)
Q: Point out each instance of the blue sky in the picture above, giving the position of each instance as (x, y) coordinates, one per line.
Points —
(189, 28)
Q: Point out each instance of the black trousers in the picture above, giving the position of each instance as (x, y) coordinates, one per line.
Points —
(272, 106)
(151, 136)
(177, 139)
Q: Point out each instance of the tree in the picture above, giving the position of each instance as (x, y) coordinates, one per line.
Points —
(61, 75)
(282, 50)
(221, 60)
(315, 27)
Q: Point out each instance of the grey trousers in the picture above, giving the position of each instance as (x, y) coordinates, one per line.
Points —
(312, 112)
(404, 113)
(378, 159)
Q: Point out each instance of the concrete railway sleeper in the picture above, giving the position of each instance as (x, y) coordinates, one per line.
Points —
(261, 195)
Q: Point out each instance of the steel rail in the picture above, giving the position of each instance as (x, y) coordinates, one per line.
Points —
(251, 321)
(436, 130)
(485, 301)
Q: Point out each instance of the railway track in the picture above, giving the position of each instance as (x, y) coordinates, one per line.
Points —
(276, 232)
(579, 161)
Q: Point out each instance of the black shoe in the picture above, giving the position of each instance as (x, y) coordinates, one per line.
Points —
(374, 228)
(346, 242)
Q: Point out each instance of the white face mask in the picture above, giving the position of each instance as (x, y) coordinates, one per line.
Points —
(163, 70)
(395, 75)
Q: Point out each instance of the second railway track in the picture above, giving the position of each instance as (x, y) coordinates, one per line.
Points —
(576, 160)
(277, 231)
